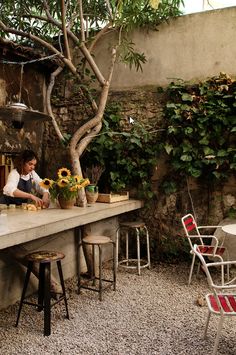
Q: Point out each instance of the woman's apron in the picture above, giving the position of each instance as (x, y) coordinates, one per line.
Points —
(23, 185)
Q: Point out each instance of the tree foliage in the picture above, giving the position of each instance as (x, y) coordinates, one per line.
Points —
(58, 26)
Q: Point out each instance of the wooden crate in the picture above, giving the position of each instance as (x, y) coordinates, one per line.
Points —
(111, 198)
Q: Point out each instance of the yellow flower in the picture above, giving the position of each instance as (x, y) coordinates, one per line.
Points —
(63, 182)
(46, 183)
(154, 3)
(63, 173)
(73, 188)
(77, 178)
(86, 182)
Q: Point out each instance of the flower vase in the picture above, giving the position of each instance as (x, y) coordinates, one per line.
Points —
(66, 204)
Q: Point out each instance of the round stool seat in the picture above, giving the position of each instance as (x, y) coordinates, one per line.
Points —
(96, 239)
(136, 224)
(44, 256)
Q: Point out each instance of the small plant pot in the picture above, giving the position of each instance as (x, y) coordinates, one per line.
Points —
(91, 193)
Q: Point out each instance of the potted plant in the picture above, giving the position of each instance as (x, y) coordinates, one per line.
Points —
(93, 174)
(65, 187)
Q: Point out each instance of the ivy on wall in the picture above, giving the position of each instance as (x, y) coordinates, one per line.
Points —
(127, 151)
(201, 125)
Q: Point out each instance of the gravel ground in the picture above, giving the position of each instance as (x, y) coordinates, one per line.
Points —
(155, 313)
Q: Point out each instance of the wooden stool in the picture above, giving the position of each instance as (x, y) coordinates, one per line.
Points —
(44, 258)
(136, 263)
(98, 241)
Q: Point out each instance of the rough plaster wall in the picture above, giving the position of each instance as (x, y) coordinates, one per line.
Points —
(191, 47)
(33, 91)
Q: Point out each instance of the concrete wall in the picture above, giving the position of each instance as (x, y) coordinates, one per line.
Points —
(191, 47)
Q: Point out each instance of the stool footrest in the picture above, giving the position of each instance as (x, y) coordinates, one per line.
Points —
(145, 263)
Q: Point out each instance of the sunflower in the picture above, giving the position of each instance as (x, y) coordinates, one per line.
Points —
(73, 188)
(63, 173)
(86, 182)
(63, 182)
(46, 183)
(77, 178)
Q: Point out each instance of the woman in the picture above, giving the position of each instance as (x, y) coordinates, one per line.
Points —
(23, 182)
(23, 185)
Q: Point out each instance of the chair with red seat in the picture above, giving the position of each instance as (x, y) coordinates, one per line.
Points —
(211, 249)
(222, 300)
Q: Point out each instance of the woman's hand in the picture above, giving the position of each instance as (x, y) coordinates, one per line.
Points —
(38, 201)
(46, 200)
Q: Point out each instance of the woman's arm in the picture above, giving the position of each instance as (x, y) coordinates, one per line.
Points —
(44, 192)
(11, 184)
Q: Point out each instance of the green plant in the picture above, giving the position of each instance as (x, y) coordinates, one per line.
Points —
(201, 125)
(65, 186)
(127, 151)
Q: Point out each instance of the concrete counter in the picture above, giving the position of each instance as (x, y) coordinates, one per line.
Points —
(25, 226)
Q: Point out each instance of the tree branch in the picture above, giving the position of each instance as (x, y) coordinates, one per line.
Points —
(63, 21)
(48, 101)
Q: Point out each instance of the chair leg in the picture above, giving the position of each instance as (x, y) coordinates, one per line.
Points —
(47, 300)
(191, 270)
(207, 324)
(63, 286)
(27, 277)
(218, 335)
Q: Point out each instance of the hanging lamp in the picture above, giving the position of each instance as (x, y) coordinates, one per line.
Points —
(18, 112)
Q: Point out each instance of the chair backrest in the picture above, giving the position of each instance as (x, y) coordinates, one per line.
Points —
(191, 229)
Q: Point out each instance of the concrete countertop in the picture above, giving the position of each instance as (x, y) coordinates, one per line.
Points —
(25, 226)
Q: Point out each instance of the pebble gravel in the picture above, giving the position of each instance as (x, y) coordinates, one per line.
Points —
(156, 313)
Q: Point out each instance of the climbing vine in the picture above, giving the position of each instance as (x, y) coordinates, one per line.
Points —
(201, 126)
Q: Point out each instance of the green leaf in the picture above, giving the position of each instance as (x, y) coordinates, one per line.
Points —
(168, 148)
(187, 97)
(186, 157)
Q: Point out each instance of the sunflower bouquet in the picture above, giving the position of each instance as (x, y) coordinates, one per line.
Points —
(66, 186)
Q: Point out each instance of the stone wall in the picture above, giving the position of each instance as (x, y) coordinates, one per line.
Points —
(163, 213)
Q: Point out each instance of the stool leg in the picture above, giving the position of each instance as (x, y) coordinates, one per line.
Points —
(27, 277)
(114, 265)
(79, 267)
(47, 299)
(148, 247)
(94, 265)
(127, 247)
(117, 248)
(138, 250)
(41, 287)
(100, 272)
(63, 286)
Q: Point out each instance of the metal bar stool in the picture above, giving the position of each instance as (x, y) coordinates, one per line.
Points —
(136, 263)
(44, 258)
(99, 242)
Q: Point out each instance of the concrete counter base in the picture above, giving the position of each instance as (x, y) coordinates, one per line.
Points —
(53, 229)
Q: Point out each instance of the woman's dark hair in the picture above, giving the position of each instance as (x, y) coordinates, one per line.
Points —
(22, 158)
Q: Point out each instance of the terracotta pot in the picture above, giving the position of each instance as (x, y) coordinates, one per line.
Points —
(66, 204)
(91, 196)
